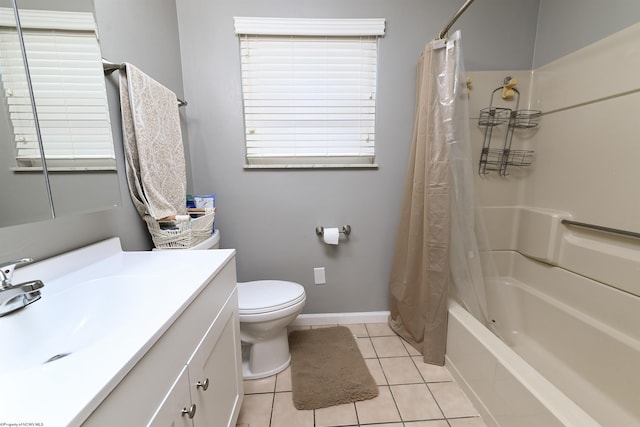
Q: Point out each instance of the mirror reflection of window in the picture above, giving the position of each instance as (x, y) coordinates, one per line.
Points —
(68, 84)
(24, 196)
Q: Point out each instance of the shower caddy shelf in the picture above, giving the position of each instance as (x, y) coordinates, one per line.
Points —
(498, 159)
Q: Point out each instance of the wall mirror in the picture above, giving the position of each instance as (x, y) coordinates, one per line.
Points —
(74, 170)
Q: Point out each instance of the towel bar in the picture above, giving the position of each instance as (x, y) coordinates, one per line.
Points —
(109, 67)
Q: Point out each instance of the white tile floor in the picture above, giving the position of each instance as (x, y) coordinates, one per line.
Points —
(412, 393)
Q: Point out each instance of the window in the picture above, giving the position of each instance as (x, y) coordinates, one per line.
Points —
(309, 89)
(68, 84)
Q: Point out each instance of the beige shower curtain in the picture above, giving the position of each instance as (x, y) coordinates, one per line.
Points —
(419, 279)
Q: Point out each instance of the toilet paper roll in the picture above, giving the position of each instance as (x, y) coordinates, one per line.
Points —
(331, 236)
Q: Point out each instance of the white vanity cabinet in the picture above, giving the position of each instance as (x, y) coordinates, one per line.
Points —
(215, 372)
(171, 412)
(196, 363)
(208, 390)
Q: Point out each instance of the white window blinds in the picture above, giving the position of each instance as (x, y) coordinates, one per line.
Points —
(309, 89)
(68, 83)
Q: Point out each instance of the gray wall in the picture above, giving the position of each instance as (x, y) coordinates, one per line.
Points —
(568, 25)
(144, 32)
(270, 216)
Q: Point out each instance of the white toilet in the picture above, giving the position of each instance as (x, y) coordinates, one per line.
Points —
(266, 308)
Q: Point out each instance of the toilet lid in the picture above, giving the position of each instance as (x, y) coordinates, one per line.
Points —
(263, 296)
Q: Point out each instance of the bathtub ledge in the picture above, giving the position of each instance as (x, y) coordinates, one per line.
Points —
(565, 411)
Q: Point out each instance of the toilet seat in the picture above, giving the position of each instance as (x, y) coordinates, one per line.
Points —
(266, 296)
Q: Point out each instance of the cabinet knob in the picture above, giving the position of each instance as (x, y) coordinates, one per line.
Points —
(191, 412)
(203, 384)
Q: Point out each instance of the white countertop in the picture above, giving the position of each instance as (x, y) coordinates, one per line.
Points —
(106, 308)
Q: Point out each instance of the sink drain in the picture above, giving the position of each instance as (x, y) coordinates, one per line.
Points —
(56, 357)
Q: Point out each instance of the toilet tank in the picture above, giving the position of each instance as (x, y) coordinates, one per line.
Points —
(212, 242)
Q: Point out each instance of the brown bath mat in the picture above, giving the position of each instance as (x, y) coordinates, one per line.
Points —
(327, 368)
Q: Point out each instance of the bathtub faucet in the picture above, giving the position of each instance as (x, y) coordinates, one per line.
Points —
(14, 297)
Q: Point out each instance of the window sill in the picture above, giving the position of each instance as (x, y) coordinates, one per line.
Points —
(313, 166)
(22, 169)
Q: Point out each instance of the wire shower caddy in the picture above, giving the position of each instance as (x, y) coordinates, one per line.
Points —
(498, 159)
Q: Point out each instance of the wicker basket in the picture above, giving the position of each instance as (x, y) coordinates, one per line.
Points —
(184, 234)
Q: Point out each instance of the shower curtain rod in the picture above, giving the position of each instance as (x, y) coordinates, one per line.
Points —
(455, 17)
(109, 67)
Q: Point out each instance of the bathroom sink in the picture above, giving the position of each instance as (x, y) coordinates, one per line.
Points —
(101, 310)
(64, 323)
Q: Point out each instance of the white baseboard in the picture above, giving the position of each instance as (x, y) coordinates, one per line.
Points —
(341, 318)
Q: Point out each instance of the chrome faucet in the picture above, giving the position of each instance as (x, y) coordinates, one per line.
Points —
(14, 297)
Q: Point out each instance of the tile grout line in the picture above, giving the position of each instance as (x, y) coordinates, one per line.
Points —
(395, 403)
(437, 403)
(273, 404)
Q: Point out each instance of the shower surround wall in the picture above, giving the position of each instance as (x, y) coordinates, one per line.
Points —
(591, 131)
(586, 169)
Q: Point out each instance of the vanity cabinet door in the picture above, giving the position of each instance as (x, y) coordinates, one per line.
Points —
(170, 412)
(215, 371)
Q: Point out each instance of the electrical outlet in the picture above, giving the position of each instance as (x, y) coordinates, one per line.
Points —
(318, 276)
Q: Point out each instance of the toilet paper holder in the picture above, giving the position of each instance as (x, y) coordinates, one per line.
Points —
(345, 229)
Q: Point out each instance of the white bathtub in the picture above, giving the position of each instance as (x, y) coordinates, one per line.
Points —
(569, 354)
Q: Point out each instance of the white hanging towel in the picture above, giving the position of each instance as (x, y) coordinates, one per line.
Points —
(153, 147)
